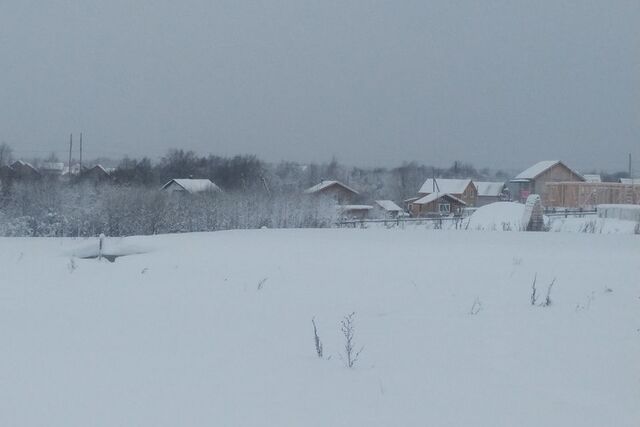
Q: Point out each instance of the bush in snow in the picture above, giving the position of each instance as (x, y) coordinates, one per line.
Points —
(347, 327)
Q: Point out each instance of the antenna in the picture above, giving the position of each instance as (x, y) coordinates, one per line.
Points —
(70, 148)
(80, 151)
(435, 183)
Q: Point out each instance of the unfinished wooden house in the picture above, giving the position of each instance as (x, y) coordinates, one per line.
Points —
(587, 195)
(535, 179)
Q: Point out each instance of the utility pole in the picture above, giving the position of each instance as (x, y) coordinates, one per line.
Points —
(80, 151)
(70, 148)
(433, 179)
(630, 170)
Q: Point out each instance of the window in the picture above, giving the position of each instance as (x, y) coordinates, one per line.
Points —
(444, 208)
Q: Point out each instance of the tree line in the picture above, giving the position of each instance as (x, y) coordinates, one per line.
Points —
(255, 194)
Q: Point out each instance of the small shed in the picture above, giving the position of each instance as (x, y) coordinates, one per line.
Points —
(442, 204)
(388, 209)
(354, 211)
(341, 193)
(190, 186)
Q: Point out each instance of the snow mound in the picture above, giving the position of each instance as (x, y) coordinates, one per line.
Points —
(499, 216)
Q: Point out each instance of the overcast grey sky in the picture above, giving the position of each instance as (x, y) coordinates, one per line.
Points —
(495, 83)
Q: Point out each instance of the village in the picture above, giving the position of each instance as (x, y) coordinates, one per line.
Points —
(559, 187)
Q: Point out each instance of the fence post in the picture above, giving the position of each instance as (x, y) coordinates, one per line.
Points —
(101, 246)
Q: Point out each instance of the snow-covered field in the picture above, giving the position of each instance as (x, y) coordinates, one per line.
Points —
(214, 329)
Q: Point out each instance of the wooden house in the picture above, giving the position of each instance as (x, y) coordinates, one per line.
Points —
(437, 204)
(462, 189)
(534, 179)
(341, 193)
(190, 186)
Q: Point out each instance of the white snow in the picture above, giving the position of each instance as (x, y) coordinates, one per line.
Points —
(591, 177)
(389, 206)
(488, 188)
(452, 186)
(326, 184)
(535, 170)
(499, 216)
(624, 212)
(435, 196)
(182, 336)
(194, 185)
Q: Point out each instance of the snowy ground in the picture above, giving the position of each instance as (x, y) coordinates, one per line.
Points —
(180, 335)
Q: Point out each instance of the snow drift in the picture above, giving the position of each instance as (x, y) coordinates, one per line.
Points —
(215, 329)
(499, 216)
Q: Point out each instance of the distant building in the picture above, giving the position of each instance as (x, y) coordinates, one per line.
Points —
(462, 189)
(435, 204)
(96, 173)
(22, 170)
(629, 181)
(52, 169)
(534, 179)
(489, 192)
(341, 193)
(592, 177)
(388, 209)
(354, 211)
(190, 186)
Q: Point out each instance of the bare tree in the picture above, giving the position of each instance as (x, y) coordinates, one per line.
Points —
(347, 327)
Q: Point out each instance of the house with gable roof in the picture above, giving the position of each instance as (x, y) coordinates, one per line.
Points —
(533, 180)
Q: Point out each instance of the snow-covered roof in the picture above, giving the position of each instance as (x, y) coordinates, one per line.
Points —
(592, 177)
(53, 166)
(355, 207)
(322, 185)
(444, 185)
(194, 185)
(486, 188)
(435, 196)
(389, 206)
(629, 181)
(22, 163)
(100, 168)
(534, 171)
